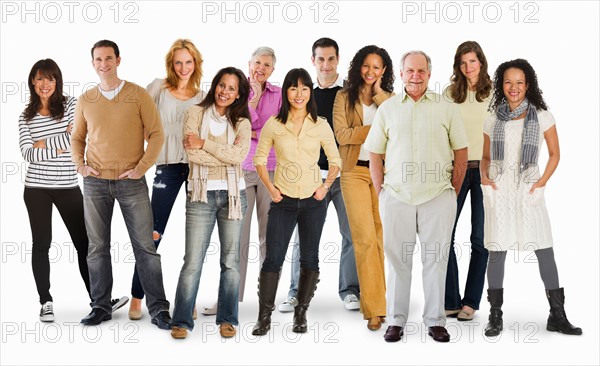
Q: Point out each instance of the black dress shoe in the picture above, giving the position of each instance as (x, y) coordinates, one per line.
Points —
(163, 320)
(439, 334)
(96, 317)
(393, 333)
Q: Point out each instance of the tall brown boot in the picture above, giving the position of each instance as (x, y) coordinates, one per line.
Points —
(306, 290)
(267, 288)
(557, 320)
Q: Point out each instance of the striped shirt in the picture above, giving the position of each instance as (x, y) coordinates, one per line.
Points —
(47, 168)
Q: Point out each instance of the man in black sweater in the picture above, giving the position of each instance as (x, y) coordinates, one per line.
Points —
(325, 58)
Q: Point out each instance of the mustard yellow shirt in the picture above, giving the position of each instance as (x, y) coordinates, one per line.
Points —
(418, 139)
(297, 173)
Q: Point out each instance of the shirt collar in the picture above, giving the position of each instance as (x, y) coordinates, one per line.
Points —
(429, 95)
(339, 82)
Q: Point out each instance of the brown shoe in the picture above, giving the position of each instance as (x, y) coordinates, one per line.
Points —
(465, 314)
(178, 332)
(374, 323)
(452, 313)
(439, 334)
(393, 333)
(227, 330)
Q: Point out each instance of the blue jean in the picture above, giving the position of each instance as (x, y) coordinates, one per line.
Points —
(479, 255)
(99, 197)
(167, 183)
(200, 218)
(309, 214)
(348, 278)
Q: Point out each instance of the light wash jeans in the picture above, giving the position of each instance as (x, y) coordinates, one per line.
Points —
(200, 222)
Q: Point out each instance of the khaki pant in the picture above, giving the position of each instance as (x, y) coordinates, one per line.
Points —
(362, 207)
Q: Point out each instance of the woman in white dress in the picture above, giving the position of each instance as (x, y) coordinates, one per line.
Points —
(513, 189)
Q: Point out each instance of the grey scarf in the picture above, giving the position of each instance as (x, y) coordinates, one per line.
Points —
(530, 138)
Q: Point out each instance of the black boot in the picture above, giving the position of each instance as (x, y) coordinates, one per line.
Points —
(557, 320)
(496, 298)
(306, 290)
(267, 288)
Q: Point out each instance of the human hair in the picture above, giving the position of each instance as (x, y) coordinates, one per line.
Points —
(459, 83)
(415, 52)
(324, 43)
(106, 43)
(56, 103)
(533, 93)
(355, 80)
(264, 51)
(172, 80)
(293, 78)
(239, 109)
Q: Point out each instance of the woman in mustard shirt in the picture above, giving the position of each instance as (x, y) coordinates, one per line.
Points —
(297, 135)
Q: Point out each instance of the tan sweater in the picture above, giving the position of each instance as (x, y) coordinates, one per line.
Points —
(114, 132)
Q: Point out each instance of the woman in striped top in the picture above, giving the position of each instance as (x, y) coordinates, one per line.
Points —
(44, 137)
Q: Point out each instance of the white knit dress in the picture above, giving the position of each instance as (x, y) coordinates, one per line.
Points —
(515, 219)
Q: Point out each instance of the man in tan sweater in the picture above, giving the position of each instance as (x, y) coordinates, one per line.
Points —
(112, 121)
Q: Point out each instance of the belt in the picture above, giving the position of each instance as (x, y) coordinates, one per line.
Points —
(473, 164)
(363, 163)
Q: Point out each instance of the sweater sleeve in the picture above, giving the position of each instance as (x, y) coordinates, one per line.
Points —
(232, 154)
(30, 153)
(153, 130)
(79, 134)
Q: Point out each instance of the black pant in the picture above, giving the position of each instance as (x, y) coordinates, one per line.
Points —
(69, 203)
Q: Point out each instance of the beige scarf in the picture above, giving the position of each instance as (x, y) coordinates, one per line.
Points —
(198, 178)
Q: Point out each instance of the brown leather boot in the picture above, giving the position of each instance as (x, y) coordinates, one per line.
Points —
(306, 290)
(267, 288)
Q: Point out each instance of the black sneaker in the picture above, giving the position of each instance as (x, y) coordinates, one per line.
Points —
(118, 303)
(163, 320)
(46, 312)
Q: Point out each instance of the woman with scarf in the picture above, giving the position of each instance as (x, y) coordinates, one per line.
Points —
(513, 188)
(216, 139)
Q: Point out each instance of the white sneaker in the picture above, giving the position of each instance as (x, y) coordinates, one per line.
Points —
(288, 305)
(351, 302)
(118, 303)
(210, 311)
(47, 312)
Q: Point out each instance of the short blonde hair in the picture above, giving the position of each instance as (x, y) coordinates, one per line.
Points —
(172, 80)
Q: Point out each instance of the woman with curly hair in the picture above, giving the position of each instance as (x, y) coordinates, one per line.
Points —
(513, 188)
(471, 89)
(173, 96)
(370, 83)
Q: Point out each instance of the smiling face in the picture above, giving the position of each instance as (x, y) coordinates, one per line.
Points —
(470, 67)
(514, 87)
(183, 64)
(226, 92)
(326, 62)
(372, 68)
(415, 75)
(298, 96)
(44, 86)
(261, 68)
(105, 63)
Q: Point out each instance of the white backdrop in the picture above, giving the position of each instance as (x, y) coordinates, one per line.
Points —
(559, 38)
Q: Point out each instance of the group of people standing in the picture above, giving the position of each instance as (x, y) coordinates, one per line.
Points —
(394, 166)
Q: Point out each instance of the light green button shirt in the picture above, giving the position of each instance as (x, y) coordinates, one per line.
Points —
(297, 173)
(418, 139)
